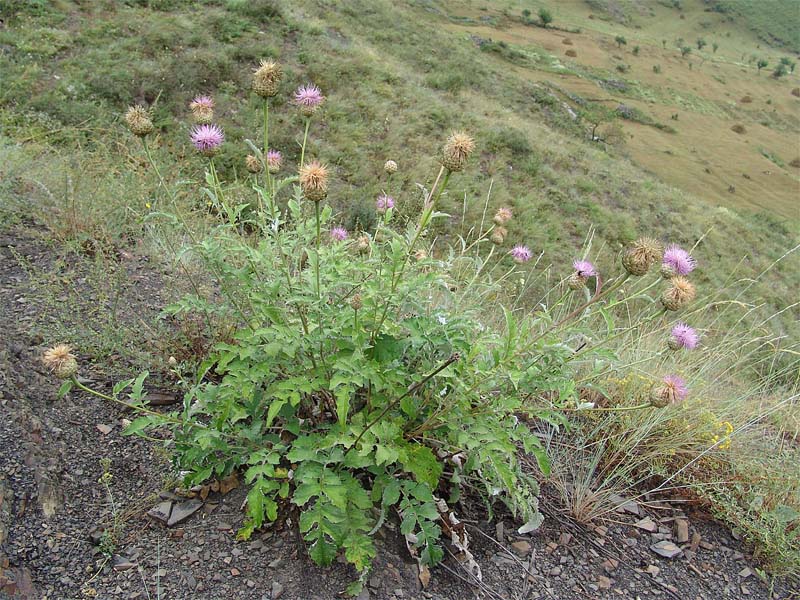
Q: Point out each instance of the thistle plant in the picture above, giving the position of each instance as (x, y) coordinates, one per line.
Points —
(372, 373)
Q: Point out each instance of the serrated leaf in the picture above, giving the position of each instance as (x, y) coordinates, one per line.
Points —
(138, 425)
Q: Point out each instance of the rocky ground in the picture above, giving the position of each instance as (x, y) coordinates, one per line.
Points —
(54, 510)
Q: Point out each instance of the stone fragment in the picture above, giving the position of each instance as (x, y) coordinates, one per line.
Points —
(666, 549)
(522, 547)
(277, 590)
(161, 511)
(184, 510)
(624, 505)
(647, 524)
(681, 531)
(122, 563)
(604, 583)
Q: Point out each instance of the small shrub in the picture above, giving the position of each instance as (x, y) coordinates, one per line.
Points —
(796, 92)
(635, 50)
(545, 16)
(738, 128)
(685, 51)
(657, 69)
(795, 163)
(571, 53)
(761, 63)
(621, 41)
(623, 67)
(746, 100)
(566, 41)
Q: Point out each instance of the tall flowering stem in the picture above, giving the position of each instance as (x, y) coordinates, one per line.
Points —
(266, 146)
(305, 139)
(316, 214)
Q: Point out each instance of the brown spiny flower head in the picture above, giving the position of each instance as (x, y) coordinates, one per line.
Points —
(362, 243)
(138, 120)
(314, 181)
(60, 360)
(680, 292)
(641, 255)
(356, 302)
(202, 108)
(253, 164)
(576, 281)
(266, 78)
(502, 216)
(498, 235)
(390, 167)
(456, 151)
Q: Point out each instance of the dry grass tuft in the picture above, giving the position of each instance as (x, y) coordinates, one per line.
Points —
(566, 42)
(746, 100)
(738, 128)
(571, 53)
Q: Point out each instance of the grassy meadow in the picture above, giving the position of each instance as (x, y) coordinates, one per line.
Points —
(698, 149)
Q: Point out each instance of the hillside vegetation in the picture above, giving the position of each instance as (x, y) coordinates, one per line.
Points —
(595, 129)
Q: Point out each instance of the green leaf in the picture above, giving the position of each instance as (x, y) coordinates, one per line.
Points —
(274, 408)
(421, 462)
(385, 455)
(322, 552)
(137, 426)
(359, 550)
(343, 394)
(66, 386)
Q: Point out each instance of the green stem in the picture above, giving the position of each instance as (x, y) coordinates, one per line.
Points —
(609, 409)
(266, 143)
(316, 266)
(303, 149)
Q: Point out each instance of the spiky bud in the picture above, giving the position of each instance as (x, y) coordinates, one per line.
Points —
(680, 292)
(456, 151)
(498, 235)
(576, 281)
(60, 360)
(390, 167)
(274, 161)
(138, 121)
(641, 255)
(356, 303)
(502, 216)
(253, 164)
(667, 271)
(267, 78)
(314, 181)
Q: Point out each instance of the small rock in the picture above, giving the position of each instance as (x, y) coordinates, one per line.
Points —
(104, 429)
(235, 572)
(666, 549)
(122, 563)
(184, 510)
(522, 547)
(653, 570)
(681, 531)
(555, 571)
(604, 583)
(647, 524)
(564, 539)
(161, 511)
(277, 590)
(624, 505)
(745, 573)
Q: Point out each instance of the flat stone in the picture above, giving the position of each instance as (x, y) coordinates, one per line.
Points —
(122, 563)
(681, 531)
(647, 524)
(184, 510)
(522, 547)
(745, 573)
(625, 505)
(277, 590)
(604, 583)
(653, 570)
(666, 549)
(161, 511)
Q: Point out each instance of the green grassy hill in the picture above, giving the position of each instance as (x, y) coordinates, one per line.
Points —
(399, 77)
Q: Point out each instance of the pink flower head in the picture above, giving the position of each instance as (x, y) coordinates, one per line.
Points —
(676, 387)
(384, 203)
(308, 98)
(339, 234)
(202, 102)
(584, 268)
(683, 336)
(678, 260)
(521, 254)
(274, 161)
(207, 138)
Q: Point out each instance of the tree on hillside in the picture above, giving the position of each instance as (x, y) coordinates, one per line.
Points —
(701, 43)
(685, 50)
(780, 71)
(788, 63)
(621, 41)
(762, 62)
(715, 46)
(545, 16)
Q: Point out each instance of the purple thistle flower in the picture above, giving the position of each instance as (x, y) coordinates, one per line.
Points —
(675, 387)
(207, 138)
(584, 268)
(339, 234)
(384, 203)
(206, 102)
(521, 254)
(308, 98)
(678, 261)
(274, 161)
(683, 336)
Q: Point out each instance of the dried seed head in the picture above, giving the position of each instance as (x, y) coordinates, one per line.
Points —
(60, 360)
(680, 292)
(672, 390)
(253, 164)
(502, 216)
(202, 108)
(390, 167)
(456, 151)
(266, 78)
(498, 235)
(356, 303)
(362, 243)
(641, 255)
(138, 120)
(314, 181)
